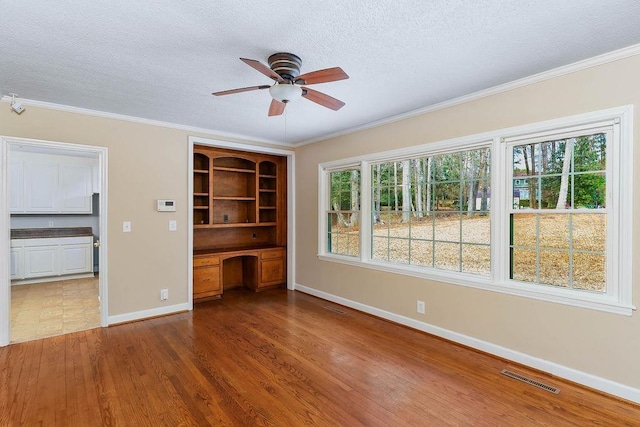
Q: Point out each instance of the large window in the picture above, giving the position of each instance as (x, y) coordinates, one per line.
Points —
(434, 211)
(558, 221)
(542, 211)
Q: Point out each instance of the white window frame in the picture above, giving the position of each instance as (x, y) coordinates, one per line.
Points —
(617, 299)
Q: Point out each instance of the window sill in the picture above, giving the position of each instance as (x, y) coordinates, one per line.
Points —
(464, 279)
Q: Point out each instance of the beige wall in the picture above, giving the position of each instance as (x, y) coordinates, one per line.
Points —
(602, 344)
(145, 163)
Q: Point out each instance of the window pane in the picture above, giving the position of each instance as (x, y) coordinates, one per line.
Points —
(589, 272)
(553, 231)
(482, 201)
(550, 187)
(446, 196)
(476, 228)
(589, 190)
(422, 228)
(380, 248)
(590, 153)
(447, 226)
(399, 251)
(398, 227)
(381, 226)
(525, 193)
(446, 167)
(476, 259)
(526, 160)
(589, 232)
(523, 231)
(447, 256)
(554, 268)
(523, 265)
(422, 252)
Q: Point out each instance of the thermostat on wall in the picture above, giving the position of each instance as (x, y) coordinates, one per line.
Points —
(166, 205)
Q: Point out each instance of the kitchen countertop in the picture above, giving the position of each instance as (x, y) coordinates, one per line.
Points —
(47, 233)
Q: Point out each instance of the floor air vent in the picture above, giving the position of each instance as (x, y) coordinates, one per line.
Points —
(335, 310)
(522, 378)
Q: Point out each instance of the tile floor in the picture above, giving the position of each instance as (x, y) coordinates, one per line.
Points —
(45, 309)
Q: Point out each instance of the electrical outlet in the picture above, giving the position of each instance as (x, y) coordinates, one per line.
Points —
(164, 294)
(225, 218)
(420, 307)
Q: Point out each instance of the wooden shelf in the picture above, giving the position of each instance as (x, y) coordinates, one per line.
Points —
(220, 168)
(201, 194)
(200, 171)
(239, 199)
(267, 207)
(201, 207)
(267, 190)
(239, 224)
(267, 176)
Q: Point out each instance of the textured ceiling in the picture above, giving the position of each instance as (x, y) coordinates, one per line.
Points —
(162, 59)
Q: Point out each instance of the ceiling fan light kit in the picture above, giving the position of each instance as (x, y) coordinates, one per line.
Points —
(285, 92)
(284, 69)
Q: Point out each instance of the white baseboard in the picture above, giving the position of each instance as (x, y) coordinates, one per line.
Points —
(579, 377)
(144, 314)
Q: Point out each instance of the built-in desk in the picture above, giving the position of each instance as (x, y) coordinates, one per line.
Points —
(215, 270)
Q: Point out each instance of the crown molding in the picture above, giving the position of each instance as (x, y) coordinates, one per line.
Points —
(595, 61)
(140, 120)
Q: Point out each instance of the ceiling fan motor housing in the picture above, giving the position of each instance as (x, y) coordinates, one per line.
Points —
(286, 65)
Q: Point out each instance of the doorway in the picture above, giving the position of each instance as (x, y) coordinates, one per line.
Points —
(53, 244)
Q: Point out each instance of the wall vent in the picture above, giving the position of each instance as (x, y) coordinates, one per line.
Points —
(530, 381)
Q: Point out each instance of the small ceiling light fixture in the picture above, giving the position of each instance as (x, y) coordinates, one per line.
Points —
(285, 92)
(16, 106)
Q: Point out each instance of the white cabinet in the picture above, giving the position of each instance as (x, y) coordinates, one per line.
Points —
(16, 262)
(76, 258)
(41, 187)
(41, 258)
(75, 187)
(16, 186)
(50, 257)
(50, 184)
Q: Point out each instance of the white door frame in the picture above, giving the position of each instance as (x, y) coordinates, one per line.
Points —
(291, 206)
(5, 224)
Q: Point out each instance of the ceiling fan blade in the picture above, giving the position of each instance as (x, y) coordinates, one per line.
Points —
(276, 108)
(259, 66)
(322, 76)
(322, 99)
(242, 89)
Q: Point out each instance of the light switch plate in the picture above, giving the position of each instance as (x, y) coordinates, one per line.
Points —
(126, 227)
(173, 225)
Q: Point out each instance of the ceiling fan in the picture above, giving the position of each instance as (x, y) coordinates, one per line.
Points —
(284, 69)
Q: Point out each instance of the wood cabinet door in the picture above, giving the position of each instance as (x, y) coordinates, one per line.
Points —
(206, 281)
(272, 271)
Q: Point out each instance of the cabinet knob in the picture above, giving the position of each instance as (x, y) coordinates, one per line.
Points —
(96, 244)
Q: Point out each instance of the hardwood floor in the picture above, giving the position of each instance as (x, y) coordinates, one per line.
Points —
(278, 358)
